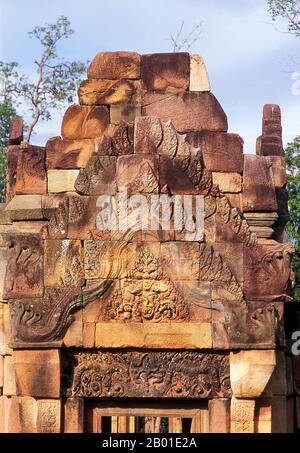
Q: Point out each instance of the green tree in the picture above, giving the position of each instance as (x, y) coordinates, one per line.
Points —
(289, 10)
(292, 154)
(56, 81)
(7, 114)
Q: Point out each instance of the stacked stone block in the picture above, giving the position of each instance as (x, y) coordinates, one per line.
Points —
(201, 312)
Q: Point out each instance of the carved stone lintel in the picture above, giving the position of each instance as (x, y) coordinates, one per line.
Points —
(150, 374)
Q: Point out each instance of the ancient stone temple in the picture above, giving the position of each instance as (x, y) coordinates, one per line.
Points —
(144, 267)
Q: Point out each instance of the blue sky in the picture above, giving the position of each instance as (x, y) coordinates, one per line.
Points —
(248, 61)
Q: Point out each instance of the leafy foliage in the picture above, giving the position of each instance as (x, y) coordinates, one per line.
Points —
(289, 10)
(7, 113)
(57, 79)
(292, 154)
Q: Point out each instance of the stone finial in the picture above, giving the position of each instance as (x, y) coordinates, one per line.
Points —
(15, 132)
(270, 143)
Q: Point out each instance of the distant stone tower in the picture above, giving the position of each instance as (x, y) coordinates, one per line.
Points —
(144, 256)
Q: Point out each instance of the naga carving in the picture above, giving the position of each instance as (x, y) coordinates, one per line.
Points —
(24, 272)
(47, 319)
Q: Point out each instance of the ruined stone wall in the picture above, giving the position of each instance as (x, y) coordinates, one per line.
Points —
(132, 310)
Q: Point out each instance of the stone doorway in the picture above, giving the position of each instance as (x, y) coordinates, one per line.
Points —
(146, 417)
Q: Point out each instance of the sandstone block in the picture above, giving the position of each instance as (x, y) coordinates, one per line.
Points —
(147, 135)
(197, 299)
(15, 132)
(263, 416)
(271, 139)
(219, 415)
(137, 173)
(102, 259)
(62, 180)
(282, 202)
(250, 372)
(233, 254)
(12, 415)
(181, 259)
(31, 171)
(188, 111)
(9, 378)
(267, 272)
(278, 171)
(5, 409)
(124, 112)
(108, 92)
(278, 382)
(82, 122)
(55, 208)
(22, 415)
(115, 65)
(89, 330)
(258, 184)
(50, 204)
(24, 272)
(98, 177)
(49, 416)
(4, 217)
(68, 154)
(173, 179)
(73, 338)
(165, 71)
(163, 335)
(37, 372)
(122, 137)
(242, 416)
(3, 264)
(248, 326)
(63, 263)
(83, 212)
(27, 226)
(5, 329)
(199, 80)
(74, 415)
(25, 207)
(228, 182)
(221, 152)
(11, 174)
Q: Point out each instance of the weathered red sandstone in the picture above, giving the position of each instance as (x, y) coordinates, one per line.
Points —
(104, 308)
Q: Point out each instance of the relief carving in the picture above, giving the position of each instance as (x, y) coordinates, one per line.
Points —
(98, 177)
(150, 374)
(268, 274)
(49, 416)
(121, 138)
(47, 319)
(24, 272)
(147, 300)
(58, 222)
(213, 268)
(190, 162)
(251, 325)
